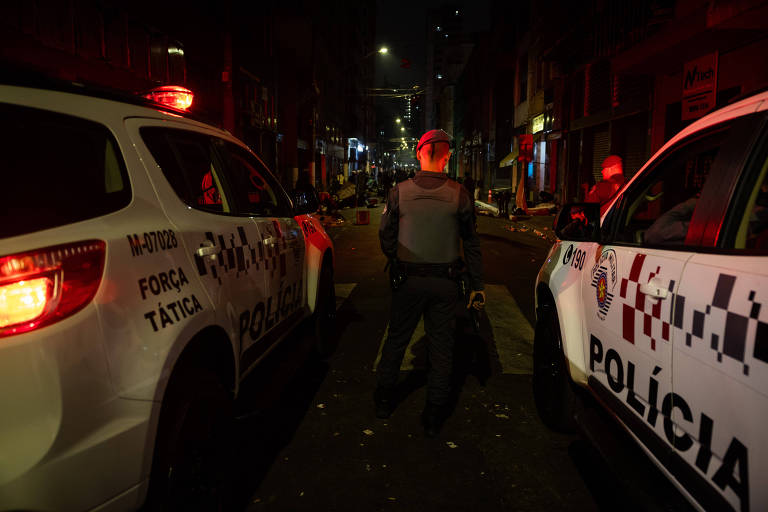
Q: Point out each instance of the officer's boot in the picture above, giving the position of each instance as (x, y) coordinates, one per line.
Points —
(385, 402)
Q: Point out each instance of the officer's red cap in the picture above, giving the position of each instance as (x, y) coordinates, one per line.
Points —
(611, 161)
(433, 136)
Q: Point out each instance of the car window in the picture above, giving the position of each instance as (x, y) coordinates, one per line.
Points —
(658, 208)
(190, 164)
(752, 231)
(58, 169)
(255, 189)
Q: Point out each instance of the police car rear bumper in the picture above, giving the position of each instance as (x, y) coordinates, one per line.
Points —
(63, 422)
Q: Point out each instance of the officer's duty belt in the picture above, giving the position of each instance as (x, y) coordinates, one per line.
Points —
(446, 270)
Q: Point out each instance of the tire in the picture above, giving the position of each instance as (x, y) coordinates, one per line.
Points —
(553, 390)
(324, 317)
(193, 464)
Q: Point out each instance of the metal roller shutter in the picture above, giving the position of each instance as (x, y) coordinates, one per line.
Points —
(600, 150)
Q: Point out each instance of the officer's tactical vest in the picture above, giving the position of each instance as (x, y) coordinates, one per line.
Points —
(429, 225)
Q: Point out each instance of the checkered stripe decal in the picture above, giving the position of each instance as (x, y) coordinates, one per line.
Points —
(235, 255)
(647, 311)
(728, 329)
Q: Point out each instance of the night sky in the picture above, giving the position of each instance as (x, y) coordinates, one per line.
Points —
(401, 27)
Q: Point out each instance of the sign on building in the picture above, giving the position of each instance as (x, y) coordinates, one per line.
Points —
(699, 86)
(526, 147)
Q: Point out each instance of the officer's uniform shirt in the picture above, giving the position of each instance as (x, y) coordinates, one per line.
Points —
(422, 223)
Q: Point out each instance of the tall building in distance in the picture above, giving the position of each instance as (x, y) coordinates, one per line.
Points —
(449, 45)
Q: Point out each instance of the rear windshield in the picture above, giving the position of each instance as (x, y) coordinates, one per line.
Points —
(57, 169)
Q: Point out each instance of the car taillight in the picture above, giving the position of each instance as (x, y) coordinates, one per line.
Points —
(40, 287)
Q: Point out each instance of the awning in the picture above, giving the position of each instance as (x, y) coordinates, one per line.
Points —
(509, 159)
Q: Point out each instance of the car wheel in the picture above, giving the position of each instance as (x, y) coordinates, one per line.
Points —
(324, 319)
(552, 388)
(192, 467)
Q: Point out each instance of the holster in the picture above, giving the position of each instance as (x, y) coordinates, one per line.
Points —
(397, 274)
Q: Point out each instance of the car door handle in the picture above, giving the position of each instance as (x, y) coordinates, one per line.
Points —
(207, 249)
(654, 288)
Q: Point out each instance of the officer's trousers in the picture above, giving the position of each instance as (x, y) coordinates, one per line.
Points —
(435, 298)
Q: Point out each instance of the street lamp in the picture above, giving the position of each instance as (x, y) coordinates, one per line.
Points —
(397, 120)
(383, 51)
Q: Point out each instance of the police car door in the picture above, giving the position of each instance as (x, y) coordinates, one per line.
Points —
(629, 291)
(280, 252)
(720, 359)
(199, 203)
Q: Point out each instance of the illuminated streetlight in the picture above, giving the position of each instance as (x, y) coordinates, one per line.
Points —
(397, 120)
(402, 128)
(383, 50)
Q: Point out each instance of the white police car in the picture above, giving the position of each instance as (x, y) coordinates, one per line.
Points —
(148, 262)
(659, 308)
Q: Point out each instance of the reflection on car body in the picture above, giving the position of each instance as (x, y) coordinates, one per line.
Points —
(129, 317)
(668, 328)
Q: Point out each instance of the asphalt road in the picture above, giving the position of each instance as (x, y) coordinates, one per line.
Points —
(316, 444)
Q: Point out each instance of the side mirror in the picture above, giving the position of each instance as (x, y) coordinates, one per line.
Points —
(579, 222)
(305, 201)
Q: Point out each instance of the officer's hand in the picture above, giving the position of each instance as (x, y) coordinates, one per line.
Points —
(476, 299)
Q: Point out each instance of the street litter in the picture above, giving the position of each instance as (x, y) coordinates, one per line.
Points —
(368, 432)
(502, 416)
(451, 444)
(321, 406)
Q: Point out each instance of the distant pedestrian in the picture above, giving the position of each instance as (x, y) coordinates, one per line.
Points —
(423, 225)
(504, 198)
(613, 180)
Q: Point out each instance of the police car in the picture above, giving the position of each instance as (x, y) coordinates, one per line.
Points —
(148, 263)
(658, 308)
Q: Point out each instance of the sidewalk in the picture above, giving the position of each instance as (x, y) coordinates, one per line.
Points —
(538, 225)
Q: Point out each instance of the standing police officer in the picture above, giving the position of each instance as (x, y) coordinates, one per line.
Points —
(421, 228)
